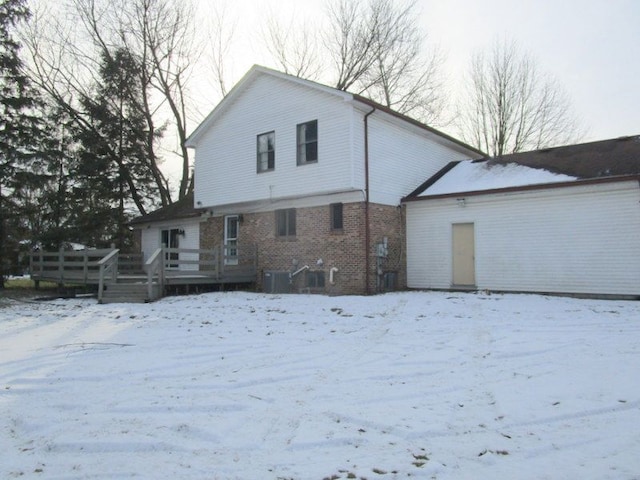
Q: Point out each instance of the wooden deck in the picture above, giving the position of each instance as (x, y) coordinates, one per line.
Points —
(124, 277)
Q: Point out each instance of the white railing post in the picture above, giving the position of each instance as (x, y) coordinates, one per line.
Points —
(85, 266)
(114, 267)
(108, 261)
(155, 265)
(61, 266)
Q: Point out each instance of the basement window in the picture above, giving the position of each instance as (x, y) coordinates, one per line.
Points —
(315, 279)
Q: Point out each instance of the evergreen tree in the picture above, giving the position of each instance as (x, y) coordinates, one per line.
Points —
(20, 134)
(46, 209)
(113, 173)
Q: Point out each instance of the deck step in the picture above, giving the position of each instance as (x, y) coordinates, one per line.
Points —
(129, 293)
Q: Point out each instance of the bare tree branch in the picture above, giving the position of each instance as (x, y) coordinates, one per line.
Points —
(160, 33)
(293, 46)
(511, 107)
(221, 33)
(375, 48)
(353, 39)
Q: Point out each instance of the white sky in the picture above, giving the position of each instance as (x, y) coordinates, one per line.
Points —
(591, 46)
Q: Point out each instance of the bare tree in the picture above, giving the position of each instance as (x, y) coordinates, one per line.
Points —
(510, 106)
(375, 49)
(294, 47)
(405, 75)
(159, 33)
(352, 40)
(221, 33)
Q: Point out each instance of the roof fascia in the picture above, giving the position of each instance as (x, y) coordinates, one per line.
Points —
(431, 180)
(524, 188)
(474, 152)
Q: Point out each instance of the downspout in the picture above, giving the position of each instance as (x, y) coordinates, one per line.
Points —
(366, 201)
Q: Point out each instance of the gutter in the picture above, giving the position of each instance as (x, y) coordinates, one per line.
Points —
(367, 232)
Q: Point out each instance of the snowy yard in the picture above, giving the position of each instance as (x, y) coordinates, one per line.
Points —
(248, 386)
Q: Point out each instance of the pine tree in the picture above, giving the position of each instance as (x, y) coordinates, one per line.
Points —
(114, 168)
(20, 132)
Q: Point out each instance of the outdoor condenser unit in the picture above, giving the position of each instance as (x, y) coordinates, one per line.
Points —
(276, 282)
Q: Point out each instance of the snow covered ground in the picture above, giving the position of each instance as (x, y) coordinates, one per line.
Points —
(250, 386)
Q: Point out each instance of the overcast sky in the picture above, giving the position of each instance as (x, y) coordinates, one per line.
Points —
(592, 47)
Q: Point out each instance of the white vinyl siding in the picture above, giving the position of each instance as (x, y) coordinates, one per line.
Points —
(225, 157)
(152, 239)
(581, 239)
(402, 158)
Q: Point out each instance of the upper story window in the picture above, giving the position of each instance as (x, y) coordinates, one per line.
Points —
(266, 147)
(286, 222)
(336, 216)
(307, 142)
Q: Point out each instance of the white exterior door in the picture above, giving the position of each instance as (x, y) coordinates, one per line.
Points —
(230, 251)
(463, 255)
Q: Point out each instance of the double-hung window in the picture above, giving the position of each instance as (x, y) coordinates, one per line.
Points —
(307, 134)
(266, 148)
(286, 222)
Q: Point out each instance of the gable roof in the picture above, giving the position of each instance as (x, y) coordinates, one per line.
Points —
(253, 73)
(606, 160)
(257, 70)
(180, 209)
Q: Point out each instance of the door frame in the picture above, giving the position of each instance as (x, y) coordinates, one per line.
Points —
(463, 255)
(232, 257)
(172, 241)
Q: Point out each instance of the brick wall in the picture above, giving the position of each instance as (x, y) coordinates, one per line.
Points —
(387, 221)
(317, 246)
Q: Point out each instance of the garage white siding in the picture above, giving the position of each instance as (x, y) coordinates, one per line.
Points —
(580, 239)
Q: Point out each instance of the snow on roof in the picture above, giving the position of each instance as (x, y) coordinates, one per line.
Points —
(469, 175)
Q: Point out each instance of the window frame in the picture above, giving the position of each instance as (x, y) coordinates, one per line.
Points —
(333, 217)
(288, 216)
(315, 279)
(270, 153)
(303, 143)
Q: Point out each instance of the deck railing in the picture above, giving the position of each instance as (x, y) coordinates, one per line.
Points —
(166, 265)
(65, 266)
(108, 268)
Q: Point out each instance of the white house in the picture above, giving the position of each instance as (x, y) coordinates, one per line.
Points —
(313, 177)
(563, 220)
(315, 183)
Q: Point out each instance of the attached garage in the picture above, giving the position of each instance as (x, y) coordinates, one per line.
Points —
(508, 226)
